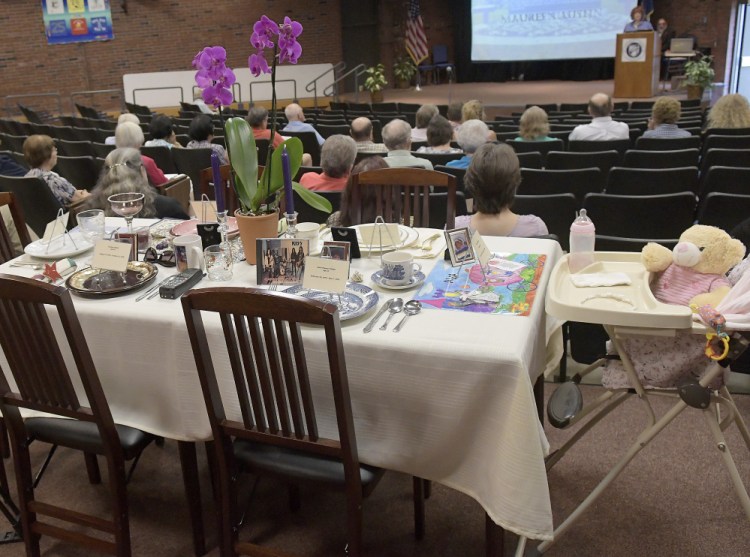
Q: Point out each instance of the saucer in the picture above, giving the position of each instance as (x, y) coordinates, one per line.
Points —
(416, 279)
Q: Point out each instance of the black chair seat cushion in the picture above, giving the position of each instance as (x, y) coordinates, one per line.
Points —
(296, 465)
(84, 436)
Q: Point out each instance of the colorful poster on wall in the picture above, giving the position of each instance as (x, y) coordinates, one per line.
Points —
(77, 21)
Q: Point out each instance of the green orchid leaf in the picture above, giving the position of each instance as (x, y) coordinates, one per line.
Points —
(244, 159)
(276, 176)
(313, 199)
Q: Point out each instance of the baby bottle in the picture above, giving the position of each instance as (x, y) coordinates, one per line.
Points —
(582, 236)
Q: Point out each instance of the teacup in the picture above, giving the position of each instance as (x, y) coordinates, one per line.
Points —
(309, 231)
(188, 252)
(399, 268)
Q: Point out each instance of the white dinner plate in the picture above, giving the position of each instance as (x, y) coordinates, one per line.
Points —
(60, 246)
(416, 280)
(356, 300)
(407, 236)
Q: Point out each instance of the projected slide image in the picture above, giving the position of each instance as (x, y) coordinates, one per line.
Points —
(509, 30)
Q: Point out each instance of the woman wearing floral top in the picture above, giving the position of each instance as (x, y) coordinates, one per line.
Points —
(201, 133)
(41, 154)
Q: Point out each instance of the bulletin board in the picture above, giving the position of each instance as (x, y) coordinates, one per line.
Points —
(76, 21)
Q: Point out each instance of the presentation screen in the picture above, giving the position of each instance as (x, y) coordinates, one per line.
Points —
(510, 30)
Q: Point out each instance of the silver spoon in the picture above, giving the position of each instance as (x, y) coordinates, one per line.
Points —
(397, 304)
(412, 307)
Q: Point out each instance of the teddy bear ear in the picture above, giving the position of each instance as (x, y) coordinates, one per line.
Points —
(737, 250)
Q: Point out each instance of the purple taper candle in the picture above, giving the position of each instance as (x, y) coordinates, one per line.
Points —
(287, 181)
(218, 184)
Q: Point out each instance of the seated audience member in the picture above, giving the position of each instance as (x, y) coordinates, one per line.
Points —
(345, 216)
(361, 132)
(125, 117)
(124, 172)
(41, 154)
(296, 118)
(397, 138)
(492, 180)
(336, 159)
(425, 113)
(439, 136)
(664, 116)
(602, 127)
(257, 117)
(201, 104)
(201, 132)
(730, 111)
(472, 110)
(639, 22)
(454, 115)
(130, 135)
(472, 135)
(534, 125)
(9, 167)
(162, 133)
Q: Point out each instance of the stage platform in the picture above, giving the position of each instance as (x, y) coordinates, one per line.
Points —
(504, 98)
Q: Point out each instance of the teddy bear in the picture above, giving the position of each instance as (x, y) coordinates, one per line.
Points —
(694, 272)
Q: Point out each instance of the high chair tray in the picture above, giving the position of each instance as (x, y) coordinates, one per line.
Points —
(628, 306)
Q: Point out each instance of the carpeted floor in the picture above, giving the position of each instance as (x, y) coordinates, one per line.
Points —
(674, 499)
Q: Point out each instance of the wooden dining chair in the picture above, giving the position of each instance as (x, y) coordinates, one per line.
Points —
(36, 199)
(277, 431)
(7, 250)
(45, 384)
(402, 195)
(206, 186)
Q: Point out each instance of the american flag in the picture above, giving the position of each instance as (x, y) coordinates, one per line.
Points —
(416, 40)
(648, 7)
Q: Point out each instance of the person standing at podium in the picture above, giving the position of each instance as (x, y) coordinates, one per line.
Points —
(639, 22)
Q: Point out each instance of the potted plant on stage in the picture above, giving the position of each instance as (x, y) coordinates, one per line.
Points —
(403, 70)
(375, 82)
(698, 75)
(259, 199)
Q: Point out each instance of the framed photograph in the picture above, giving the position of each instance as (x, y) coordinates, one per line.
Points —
(336, 250)
(281, 260)
(459, 246)
(343, 234)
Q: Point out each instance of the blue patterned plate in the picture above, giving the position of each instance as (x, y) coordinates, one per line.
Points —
(356, 300)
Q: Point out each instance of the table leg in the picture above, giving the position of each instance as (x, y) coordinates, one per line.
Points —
(189, 464)
(493, 537)
(539, 397)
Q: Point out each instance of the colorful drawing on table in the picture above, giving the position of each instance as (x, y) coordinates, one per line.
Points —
(281, 260)
(508, 286)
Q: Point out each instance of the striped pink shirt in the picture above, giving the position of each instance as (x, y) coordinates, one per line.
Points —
(678, 285)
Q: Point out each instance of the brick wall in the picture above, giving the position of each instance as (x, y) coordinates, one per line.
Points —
(156, 35)
(708, 20)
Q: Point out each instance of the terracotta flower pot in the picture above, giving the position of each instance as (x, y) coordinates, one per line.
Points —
(253, 227)
(694, 92)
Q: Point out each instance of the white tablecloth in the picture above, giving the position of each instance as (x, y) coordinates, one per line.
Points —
(449, 398)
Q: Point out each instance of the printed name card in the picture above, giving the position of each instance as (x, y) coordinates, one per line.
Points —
(327, 275)
(56, 228)
(481, 252)
(380, 234)
(204, 210)
(111, 256)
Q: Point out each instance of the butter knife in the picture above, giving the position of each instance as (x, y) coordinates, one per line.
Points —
(374, 320)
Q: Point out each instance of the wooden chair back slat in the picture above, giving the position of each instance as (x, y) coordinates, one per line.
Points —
(289, 377)
(303, 380)
(262, 372)
(271, 345)
(236, 355)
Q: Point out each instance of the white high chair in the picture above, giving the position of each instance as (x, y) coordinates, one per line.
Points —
(632, 310)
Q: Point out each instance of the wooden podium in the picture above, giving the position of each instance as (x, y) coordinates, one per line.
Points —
(637, 63)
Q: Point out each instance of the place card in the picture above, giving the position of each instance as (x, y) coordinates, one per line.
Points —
(111, 256)
(380, 234)
(481, 251)
(204, 210)
(327, 275)
(58, 226)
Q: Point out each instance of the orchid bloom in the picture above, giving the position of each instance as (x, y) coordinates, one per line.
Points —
(264, 31)
(213, 76)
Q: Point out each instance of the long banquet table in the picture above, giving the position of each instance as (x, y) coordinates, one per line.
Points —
(449, 398)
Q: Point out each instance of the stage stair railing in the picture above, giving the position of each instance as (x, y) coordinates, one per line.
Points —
(312, 87)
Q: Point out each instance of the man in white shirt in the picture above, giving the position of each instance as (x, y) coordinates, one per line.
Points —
(602, 127)
(296, 118)
(397, 138)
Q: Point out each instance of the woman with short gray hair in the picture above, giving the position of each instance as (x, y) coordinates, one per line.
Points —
(336, 159)
(130, 135)
(471, 136)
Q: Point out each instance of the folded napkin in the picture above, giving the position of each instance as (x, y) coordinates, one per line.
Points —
(54, 272)
(589, 280)
(437, 247)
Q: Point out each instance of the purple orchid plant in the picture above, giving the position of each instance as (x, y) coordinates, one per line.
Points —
(216, 80)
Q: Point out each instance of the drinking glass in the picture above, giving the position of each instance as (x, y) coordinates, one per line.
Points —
(127, 205)
(91, 224)
(218, 260)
